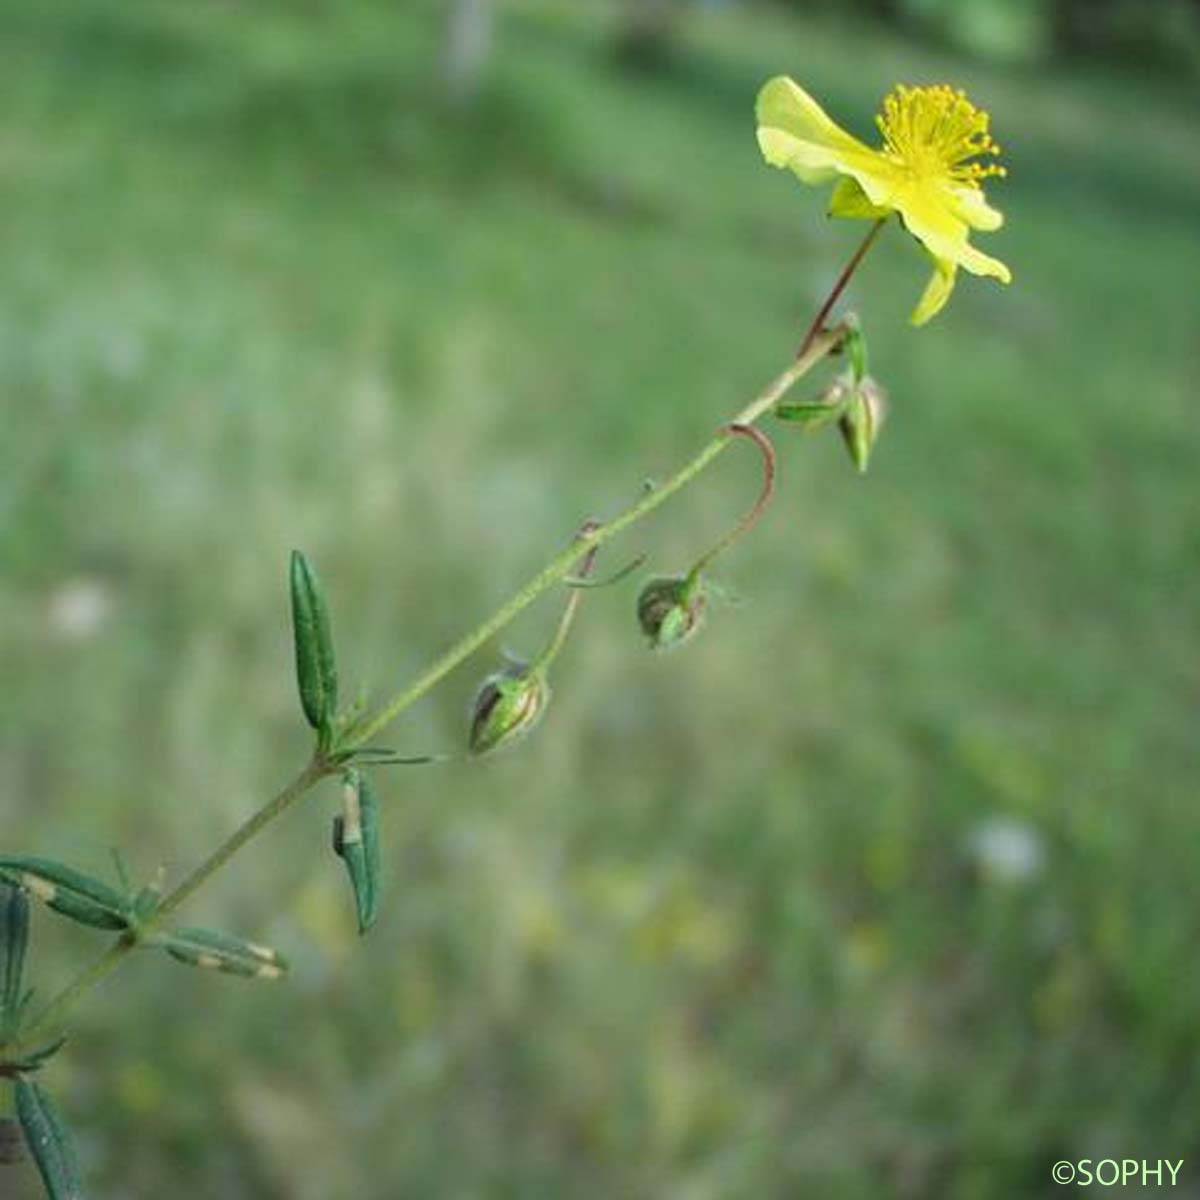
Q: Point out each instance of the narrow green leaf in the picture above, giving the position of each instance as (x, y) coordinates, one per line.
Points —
(49, 1142)
(316, 668)
(811, 414)
(216, 951)
(356, 840)
(15, 935)
(67, 891)
(377, 756)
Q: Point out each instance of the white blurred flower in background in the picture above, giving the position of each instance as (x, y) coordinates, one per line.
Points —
(78, 608)
(1007, 850)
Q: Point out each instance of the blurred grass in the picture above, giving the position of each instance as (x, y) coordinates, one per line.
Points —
(719, 929)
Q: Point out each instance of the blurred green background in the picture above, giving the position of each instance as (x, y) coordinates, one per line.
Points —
(883, 886)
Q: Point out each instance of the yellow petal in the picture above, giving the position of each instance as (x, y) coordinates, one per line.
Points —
(936, 293)
(849, 200)
(795, 133)
(784, 105)
(927, 218)
(780, 149)
(970, 205)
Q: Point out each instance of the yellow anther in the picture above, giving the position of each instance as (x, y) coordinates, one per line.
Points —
(937, 130)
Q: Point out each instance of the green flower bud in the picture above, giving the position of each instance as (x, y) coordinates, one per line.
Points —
(508, 705)
(670, 610)
(861, 422)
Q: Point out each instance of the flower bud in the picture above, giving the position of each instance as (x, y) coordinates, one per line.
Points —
(508, 706)
(670, 610)
(861, 422)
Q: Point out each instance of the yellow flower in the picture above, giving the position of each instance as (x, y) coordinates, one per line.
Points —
(927, 171)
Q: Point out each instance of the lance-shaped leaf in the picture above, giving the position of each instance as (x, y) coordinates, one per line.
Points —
(223, 952)
(67, 891)
(316, 668)
(49, 1142)
(815, 412)
(15, 934)
(356, 840)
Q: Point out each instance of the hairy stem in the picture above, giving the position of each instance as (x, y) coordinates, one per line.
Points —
(50, 1018)
(818, 343)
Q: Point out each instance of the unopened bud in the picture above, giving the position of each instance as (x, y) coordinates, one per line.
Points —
(862, 420)
(508, 706)
(670, 610)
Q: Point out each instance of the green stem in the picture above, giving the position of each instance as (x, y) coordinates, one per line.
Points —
(820, 346)
(51, 1016)
(818, 343)
(49, 1019)
(280, 803)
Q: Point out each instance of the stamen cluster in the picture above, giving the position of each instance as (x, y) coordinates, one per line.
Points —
(937, 129)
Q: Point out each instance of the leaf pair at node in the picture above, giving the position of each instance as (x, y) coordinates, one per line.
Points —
(92, 902)
(854, 400)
